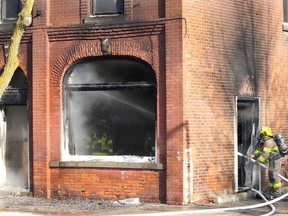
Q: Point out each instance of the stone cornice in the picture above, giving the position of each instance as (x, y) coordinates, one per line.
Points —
(106, 165)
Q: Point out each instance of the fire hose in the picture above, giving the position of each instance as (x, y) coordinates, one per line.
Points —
(262, 165)
(225, 210)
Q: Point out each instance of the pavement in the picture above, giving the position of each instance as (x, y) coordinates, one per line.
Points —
(236, 204)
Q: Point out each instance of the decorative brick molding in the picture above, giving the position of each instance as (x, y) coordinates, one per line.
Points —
(118, 48)
(115, 31)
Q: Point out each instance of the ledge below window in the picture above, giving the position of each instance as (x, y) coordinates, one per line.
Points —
(7, 26)
(285, 26)
(109, 165)
(115, 19)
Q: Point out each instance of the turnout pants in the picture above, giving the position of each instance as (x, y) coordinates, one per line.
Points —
(274, 171)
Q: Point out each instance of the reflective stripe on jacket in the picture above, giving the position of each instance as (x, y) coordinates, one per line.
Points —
(267, 151)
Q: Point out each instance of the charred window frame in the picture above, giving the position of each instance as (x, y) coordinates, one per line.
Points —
(122, 131)
(107, 7)
(9, 10)
(247, 120)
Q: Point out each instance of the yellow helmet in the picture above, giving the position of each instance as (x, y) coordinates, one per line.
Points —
(266, 131)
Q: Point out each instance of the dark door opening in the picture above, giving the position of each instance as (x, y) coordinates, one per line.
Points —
(16, 157)
(14, 144)
(247, 125)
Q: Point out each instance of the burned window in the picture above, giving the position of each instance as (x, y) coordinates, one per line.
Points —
(107, 7)
(9, 10)
(109, 108)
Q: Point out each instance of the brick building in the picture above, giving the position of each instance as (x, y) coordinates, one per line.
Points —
(141, 98)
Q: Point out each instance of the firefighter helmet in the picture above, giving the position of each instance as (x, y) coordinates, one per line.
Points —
(266, 131)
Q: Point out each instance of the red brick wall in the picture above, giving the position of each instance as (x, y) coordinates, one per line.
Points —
(67, 12)
(147, 10)
(64, 12)
(226, 42)
(208, 51)
(40, 115)
(109, 185)
(106, 184)
(48, 55)
(175, 130)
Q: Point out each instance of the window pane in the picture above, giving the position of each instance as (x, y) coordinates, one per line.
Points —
(285, 10)
(12, 8)
(112, 122)
(107, 6)
(103, 71)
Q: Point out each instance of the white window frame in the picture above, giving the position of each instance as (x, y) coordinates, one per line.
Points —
(66, 156)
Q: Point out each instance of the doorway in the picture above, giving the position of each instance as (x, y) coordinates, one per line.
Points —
(15, 146)
(14, 142)
(247, 124)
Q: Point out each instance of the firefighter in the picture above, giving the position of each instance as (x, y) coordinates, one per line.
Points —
(268, 153)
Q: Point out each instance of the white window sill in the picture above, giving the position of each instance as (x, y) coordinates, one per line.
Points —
(115, 18)
(285, 26)
(102, 164)
(111, 158)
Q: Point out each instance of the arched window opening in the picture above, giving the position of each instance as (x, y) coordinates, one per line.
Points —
(109, 109)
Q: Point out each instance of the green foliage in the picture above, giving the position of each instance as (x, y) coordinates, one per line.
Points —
(99, 143)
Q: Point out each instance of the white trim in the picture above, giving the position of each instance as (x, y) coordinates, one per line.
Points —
(236, 145)
(285, 26)
(116, 158)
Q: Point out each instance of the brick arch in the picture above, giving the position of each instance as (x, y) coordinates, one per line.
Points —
(129, 49)
(123, 48)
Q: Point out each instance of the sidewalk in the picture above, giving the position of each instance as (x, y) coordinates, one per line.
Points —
(30, 206)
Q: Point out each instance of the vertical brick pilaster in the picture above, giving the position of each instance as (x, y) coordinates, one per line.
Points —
(174, 105)
(40, 114)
